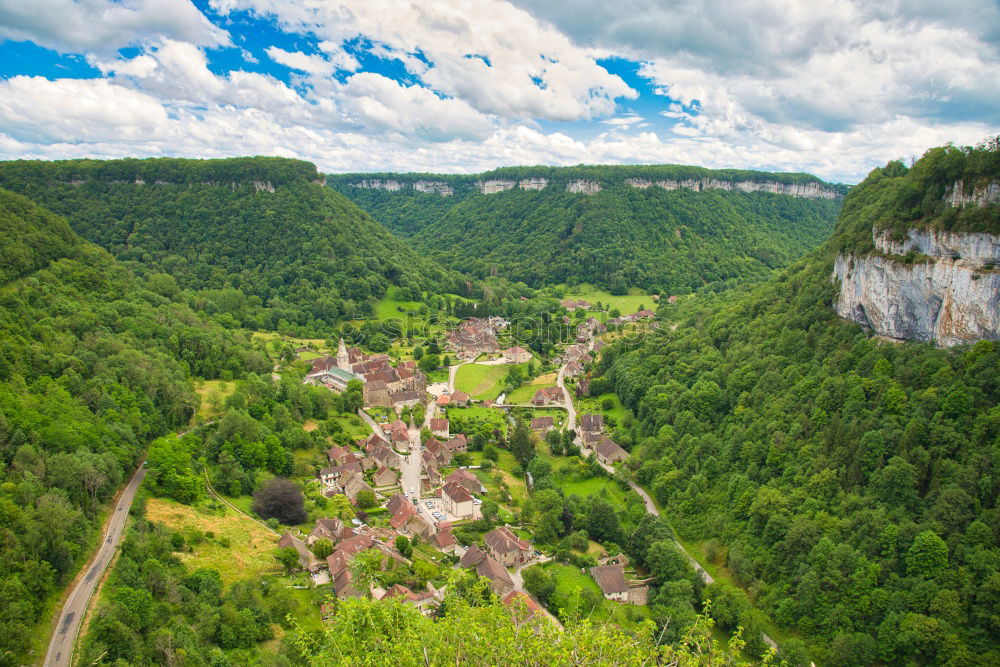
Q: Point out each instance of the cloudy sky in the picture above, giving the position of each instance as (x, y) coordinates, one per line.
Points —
(833, 88)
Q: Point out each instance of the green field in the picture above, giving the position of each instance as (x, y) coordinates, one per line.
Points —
(628, 303)
(526, 391)
(209, 392)
(569, 579)
(482, 382)
(592, 404)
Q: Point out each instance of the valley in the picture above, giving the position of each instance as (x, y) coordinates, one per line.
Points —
(736, 466)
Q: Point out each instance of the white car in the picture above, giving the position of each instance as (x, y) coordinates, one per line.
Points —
(412, 491)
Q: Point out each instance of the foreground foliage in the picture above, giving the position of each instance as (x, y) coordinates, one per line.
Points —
(92, 366)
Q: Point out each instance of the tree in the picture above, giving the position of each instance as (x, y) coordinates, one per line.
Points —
(403, 545)
(281, 499)
(366, 499)
(288, 557)
(554, 440)
(665, 561)
(927, 556)
(490, 509)
(322, 548)
(429, 363)
(521, 445)
(539, 583)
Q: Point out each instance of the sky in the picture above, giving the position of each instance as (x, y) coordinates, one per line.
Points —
(832, 88)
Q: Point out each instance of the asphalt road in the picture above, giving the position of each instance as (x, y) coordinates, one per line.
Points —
(61, 646)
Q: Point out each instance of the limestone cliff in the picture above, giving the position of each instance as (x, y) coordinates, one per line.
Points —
(930, 286)
(807, 190)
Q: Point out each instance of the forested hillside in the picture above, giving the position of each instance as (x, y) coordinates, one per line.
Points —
(93, 365)
(257, 238)
(622, 236)
(850, 484)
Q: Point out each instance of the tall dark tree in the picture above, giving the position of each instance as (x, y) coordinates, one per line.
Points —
(281, 499)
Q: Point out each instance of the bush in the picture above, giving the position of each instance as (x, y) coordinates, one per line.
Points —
(280, 499)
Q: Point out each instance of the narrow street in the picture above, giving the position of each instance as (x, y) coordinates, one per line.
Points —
(60, 651)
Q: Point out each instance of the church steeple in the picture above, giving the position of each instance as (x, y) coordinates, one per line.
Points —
(343, 360)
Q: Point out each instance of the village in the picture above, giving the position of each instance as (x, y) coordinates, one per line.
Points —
(416, 472)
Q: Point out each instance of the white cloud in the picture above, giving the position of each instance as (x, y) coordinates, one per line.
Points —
(103, 26)
(533, 71)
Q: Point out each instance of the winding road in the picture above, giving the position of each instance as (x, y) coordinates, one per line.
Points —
(71, 617)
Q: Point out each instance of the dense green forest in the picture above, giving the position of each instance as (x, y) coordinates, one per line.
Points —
(898, 198)
(660, 240)
(850, 484)
(301, 258)
(93, 364)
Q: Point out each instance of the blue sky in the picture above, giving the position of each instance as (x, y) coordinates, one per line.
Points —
(467, 85)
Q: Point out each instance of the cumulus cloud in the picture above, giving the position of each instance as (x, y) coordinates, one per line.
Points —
(103, 26)
(497, 58)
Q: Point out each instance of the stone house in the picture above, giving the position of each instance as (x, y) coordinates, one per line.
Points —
(611, 580)
(506, 547)
(609, 452)
(457, 501)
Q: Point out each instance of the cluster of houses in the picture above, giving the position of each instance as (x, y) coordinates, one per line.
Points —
(382, 383)
(548, 396)
(575, 304)
(634, 317)
(605, 449)
(476, 336)
(503, 549)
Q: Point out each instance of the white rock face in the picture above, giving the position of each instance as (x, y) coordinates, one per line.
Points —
(376, 184)
(583, 187)
(952, 298)
(433, 187)
(493, 187)
(533, 183)
(263, 186)
(981, 194)
(806, 190)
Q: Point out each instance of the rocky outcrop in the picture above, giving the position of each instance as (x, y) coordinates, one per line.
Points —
(533, 183)
(433, 187)
(946, 291)
(493, 187)
(376, 184)
(980, 194)
(805, 190)
(583, 187)
(263, 186)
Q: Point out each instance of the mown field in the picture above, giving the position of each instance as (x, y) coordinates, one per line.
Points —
(482, 382)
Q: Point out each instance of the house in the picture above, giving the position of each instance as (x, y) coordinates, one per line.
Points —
(439, 453)
(583, 387)
(307, 560)
(406, 399)
(542, 425)
(457, 501)
(574, 304)
(419, 600)
(458, 444)
(645, 314)
(611, 580)
(340, 455)
(325, 529)
(439, 427)
(460, 399)
(371, 442)
(431, 478)
(407, 520)
(609, 452)
(475, 336)
(330, 477)
(443, 400)
(547, 396)
(353, 484)
(396, 502)
(468, 480)
(672, 299)
(591, 440)
(385, 477)
(506, 547)
(384, 457)
(516, 355)
(592, 423)
(487, 566)
(514, 599)
(444, 540)
(573, 369)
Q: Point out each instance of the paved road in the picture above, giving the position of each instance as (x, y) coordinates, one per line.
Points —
(650, 506)
(61, 647)
(452, 372)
